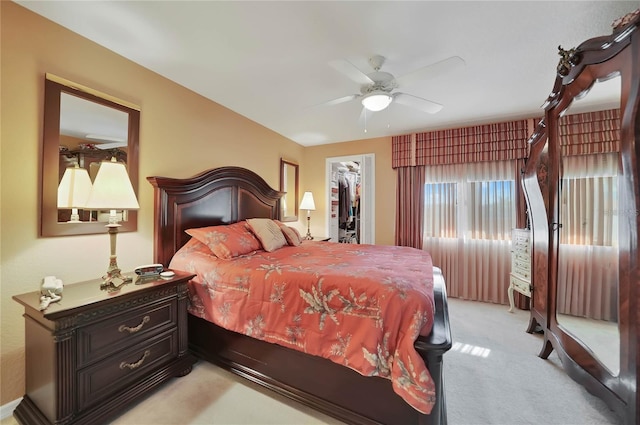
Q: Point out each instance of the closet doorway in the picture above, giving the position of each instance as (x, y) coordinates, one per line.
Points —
(350, 182)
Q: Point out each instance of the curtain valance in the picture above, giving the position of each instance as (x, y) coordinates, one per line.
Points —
(403, 151)
(489, 142)
(590, 132)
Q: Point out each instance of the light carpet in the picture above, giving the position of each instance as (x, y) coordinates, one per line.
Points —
(503, 381)
(492, 376)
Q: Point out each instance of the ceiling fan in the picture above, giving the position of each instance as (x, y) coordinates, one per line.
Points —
(377, 87)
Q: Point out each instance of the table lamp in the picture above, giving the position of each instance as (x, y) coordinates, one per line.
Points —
(112, 190)
(308, 204)
(74, 190)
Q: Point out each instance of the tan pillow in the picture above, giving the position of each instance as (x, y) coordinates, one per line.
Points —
(267, 232)
(290, 234)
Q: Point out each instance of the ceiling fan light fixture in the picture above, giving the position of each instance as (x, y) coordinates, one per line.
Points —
(376, 101)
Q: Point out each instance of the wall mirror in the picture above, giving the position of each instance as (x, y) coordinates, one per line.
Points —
(588, 250)
(289, 184)
(82, 128)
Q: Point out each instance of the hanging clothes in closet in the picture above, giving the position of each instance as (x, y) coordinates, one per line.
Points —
(349, 206)
(344, 193)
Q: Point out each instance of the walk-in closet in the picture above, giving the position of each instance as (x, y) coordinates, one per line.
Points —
(345, 202)
(350, 182)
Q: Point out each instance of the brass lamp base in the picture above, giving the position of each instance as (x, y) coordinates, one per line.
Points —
(113, 280)
(308, 237)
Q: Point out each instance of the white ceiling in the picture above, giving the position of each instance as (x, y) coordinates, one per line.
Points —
(269, 61)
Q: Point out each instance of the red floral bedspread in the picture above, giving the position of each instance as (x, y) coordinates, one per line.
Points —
(361, 306)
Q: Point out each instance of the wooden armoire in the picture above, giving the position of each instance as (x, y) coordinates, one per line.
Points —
(565, 203)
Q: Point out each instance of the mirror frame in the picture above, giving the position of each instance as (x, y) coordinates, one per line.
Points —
(283, 188)
(54, 87)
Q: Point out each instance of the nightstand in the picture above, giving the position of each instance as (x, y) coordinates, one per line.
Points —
(94, 352)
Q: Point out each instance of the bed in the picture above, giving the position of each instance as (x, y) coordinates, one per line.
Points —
(227, 195)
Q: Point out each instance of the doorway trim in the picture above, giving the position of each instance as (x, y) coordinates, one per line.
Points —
(367, 194)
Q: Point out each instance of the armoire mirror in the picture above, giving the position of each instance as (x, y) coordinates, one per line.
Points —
(588, 249)
(83, 127)
(289, 184)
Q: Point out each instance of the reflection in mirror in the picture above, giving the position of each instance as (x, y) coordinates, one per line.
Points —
(289, 184)
(82, 128)
(89, 134)
(588, 252)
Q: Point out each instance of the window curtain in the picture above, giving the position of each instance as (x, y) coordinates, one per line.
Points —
(469, 214)
(469, 202)
(410, 207)
(589, 214)
(409, 193)
(490, 142)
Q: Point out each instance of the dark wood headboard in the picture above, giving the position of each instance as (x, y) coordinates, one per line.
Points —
(219, 196)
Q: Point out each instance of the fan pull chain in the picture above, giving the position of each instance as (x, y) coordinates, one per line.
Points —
(365, 120)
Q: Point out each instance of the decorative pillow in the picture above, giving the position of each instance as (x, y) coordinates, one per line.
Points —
(227, 241)
(267, 232)
(290, 234)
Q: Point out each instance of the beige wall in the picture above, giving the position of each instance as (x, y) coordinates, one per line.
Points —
(181, 134)
(314, 179)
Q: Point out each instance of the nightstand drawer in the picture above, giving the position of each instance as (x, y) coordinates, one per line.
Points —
(124, 368)
(115, 333)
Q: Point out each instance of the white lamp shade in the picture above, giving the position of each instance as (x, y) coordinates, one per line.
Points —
(112, 189)
(376, 101)
(307, 202)
(74, 188)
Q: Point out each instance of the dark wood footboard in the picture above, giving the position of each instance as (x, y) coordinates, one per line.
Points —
(321, 384)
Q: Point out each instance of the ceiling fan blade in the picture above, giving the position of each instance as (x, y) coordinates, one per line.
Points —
(426, 72)
(111, 145)
(340, 100)
(417, 102)
(350, 70)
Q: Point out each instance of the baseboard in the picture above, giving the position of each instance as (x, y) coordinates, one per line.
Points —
(6, 410)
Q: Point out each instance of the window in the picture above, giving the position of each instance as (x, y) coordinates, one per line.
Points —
(491, 209)
(588, 203)
(441, 201)
(469, 213)
(469, 207)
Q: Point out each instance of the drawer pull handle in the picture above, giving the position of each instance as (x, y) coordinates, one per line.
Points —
(137, 364)
(135, 329)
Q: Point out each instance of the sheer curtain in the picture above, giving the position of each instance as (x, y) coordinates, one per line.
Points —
(588, 254)
(469, 212)
(589, 214)
(470, 202)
